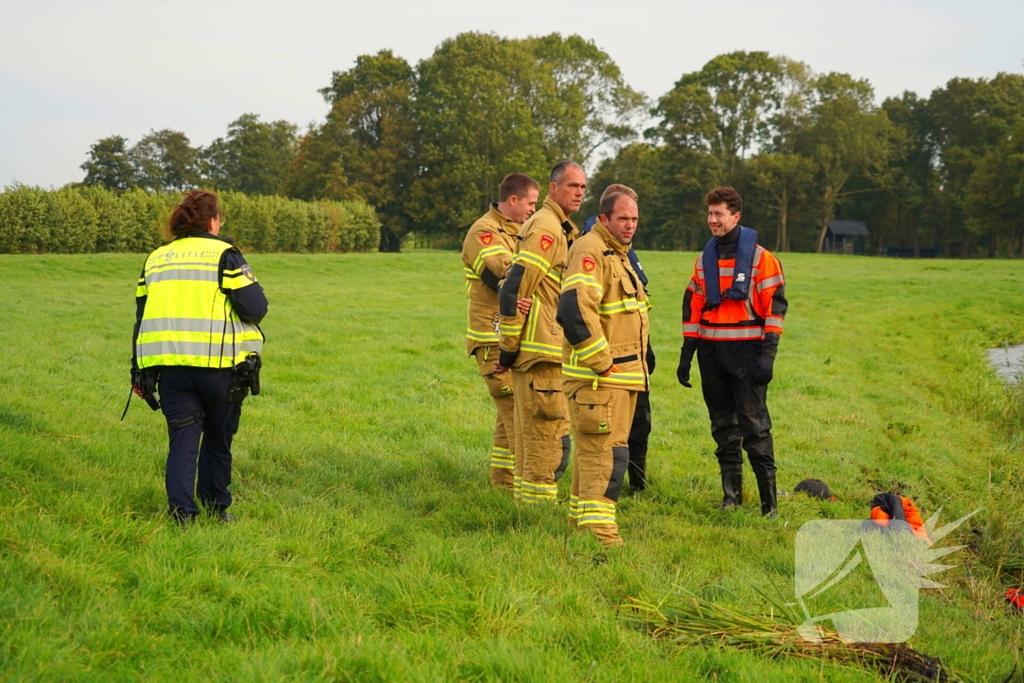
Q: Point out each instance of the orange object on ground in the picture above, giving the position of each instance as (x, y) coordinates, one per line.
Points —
(887, 506)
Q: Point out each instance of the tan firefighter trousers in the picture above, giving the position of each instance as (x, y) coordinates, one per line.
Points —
(542, 432)
(503, 460)
(600, 420)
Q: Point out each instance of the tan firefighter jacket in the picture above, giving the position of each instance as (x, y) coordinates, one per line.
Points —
(536, 273)
(486, 255)
(603, 310)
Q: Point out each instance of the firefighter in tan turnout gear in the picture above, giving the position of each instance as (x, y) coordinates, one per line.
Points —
(531, 344)
(603, 311)
(486, 255)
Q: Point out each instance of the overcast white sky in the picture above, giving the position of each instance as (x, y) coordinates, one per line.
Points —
(72, 72)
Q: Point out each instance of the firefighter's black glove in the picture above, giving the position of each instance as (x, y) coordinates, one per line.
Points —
(650, 358)
(686, 361)
(763, 370)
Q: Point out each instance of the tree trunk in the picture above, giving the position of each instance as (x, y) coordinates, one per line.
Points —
(784, 220)
(826, 212)
(913, 239)
(389, 241)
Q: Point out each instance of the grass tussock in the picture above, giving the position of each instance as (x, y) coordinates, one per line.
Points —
(693, 621)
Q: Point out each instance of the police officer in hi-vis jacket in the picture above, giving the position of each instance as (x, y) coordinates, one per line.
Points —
(197, 342)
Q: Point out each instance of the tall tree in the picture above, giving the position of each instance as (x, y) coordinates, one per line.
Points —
(476, 123)
(994, 194)
(108, 164)
(582, 101)
(846, 138)
(368, 146)
(969, 118)
(253, 157)
(724, 108)
(780, 172)
(487, 106)
(915, 180)
(165, 160)
(783, 179)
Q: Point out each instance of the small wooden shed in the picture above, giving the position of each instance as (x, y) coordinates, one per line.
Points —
(842, 235)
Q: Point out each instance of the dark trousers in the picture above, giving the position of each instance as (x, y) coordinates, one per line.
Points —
(184, 392)
(639, 434)
(738, 409)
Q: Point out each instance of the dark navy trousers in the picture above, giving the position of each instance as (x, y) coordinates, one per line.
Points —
(185, 391)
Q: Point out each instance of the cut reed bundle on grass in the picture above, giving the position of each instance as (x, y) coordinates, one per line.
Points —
(691, 620)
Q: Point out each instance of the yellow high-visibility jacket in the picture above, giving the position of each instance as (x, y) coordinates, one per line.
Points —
(536, 273)
(486, 255)
(603, 311)
(186, 316)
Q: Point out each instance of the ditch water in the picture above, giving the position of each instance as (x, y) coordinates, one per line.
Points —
(1008, 362)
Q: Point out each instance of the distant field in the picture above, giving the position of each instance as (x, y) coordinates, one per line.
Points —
(369, 546)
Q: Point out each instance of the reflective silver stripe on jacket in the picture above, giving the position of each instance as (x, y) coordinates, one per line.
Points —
(769, 282)
(731, 332)
(200, 274)
(207, 349)
(181, 325)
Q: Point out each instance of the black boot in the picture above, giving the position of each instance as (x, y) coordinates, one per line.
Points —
(732, 486)
(766, 487)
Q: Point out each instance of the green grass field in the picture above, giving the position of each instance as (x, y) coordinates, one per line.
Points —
(369, 546)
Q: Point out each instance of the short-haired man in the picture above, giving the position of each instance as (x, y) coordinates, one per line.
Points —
(640, 431)
(603, 311)
(531, 344)
(486, 255)
(733, 310)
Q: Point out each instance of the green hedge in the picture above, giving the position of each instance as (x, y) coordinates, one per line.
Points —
(79, 220)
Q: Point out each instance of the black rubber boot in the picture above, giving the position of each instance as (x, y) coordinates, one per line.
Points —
(766, 487)
(732, 487)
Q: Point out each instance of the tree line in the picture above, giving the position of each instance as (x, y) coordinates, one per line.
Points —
(427, 145)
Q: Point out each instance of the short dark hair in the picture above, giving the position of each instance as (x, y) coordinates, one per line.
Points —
(559, 170)
(619, 187)
(725, 195)
(516, 185)
(609, 201)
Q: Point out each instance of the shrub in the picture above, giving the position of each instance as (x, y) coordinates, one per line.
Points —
(93, 219)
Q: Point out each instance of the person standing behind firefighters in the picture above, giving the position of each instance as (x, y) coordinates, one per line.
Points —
(197, 342)
(486, 255)
(640, 431)
(531, 343)
(733, 310)
(603, 311)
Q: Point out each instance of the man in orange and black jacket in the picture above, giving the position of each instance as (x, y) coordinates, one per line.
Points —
(733, 311)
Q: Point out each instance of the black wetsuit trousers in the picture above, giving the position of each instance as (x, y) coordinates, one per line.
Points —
(738, 409)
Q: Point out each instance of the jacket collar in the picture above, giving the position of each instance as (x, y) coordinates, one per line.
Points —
(610, 239)
(567, 225)
(204, 234)
(507, 224)
(550, 203)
